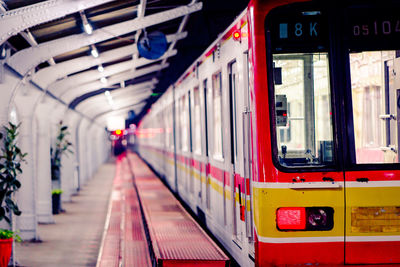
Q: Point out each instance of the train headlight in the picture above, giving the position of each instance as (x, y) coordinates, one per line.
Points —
(304, 218)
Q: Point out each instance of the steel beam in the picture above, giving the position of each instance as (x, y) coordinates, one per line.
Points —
(92, 75)
(87, 103)
(14, 21)
(128, 93)
(46, 76)
(122, 111)
(71, 94)
(118, 103)
(26, 59)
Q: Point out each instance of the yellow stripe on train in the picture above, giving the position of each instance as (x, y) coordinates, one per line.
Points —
(212, 181)
(268, 200)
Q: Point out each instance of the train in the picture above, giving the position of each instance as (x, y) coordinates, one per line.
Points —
(283, 136)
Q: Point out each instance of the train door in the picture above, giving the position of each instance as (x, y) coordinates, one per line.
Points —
(190, 173)
(175, 123)
(247, 156)
(372, 178)
(197, 143)
(207, 163)
(238, 195)
(184, 143)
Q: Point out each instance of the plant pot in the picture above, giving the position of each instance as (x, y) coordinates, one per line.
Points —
(5, 251)
(56, 199)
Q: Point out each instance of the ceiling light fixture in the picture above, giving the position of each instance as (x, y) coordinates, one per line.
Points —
(103, 80)
(86, 26)
(109, 99)
(94, 52)
(100, 68)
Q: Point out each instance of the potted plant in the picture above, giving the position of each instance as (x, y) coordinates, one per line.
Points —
(56, 200)
(62, 146)
(10, 167)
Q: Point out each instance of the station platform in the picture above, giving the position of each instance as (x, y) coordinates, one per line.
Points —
(142, 205)
(74, 239)
(124, 216)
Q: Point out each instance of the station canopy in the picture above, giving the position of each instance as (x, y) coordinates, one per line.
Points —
(107, 58)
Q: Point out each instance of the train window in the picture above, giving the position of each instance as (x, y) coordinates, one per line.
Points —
(233, 83)
(168, 127)
(197, 122)
(300, 87)
(375, 102)
(184, 123)
(205, 99)
(190, 121)
(177, 119)
(303, 132)
(373, 34)
(217, 115)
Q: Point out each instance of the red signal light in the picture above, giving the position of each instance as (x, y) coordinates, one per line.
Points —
(236, 35)
(291, 218)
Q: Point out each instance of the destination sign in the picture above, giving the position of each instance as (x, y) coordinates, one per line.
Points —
(297, 30)
(372, 28)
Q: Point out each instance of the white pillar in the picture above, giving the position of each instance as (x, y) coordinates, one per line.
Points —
(44, 203)
(26, 197)
(83, 151)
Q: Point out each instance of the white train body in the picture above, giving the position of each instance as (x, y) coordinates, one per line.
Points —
(164, 139)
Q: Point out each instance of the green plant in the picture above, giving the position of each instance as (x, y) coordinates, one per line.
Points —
(7, 234)
(56, 192)
(62, 146)
(10, 167)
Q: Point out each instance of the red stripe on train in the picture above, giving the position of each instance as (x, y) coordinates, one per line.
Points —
(285, 254)
(373, 252)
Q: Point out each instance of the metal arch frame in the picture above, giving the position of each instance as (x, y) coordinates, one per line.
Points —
(118, 103)
(25, 60)
(127, 92)
(45, 77)
(92, 75)
(14, 21)
(70, 94)
(119, 111)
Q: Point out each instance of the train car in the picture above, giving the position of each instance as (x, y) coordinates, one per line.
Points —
(283, 136)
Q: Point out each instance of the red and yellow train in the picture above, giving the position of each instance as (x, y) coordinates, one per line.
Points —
(283, 137)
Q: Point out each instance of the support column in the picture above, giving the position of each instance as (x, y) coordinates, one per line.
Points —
(26, 197)
(44, 203)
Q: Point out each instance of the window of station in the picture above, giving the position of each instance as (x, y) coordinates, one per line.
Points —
(300, 88)
(197, 121)
(217, 115)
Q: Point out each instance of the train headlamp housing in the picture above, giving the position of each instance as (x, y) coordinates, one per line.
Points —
(304, 218)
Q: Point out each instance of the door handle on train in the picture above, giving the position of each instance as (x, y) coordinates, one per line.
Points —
(362, 180)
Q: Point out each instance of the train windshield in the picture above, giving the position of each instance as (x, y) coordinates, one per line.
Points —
(301, 89)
